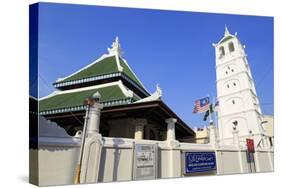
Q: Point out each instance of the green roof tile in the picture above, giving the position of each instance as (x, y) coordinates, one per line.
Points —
(226, 39)
(66, 100)
(105, 66)
(128, 72)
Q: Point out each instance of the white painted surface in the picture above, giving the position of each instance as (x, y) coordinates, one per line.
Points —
(171, 132)
(57, 163)
(16, 168)
(238, 101)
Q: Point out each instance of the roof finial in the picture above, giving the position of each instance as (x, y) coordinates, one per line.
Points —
(115, 48)
(158, 91)
(155, 96)
(226, 32)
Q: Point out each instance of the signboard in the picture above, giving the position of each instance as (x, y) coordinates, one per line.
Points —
(250, 145)
(145, 161)
(200, 162)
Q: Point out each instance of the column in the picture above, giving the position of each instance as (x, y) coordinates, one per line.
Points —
(93, 142)
(94, 119)
(236, 138)
(266, 141)
(171, 133)
(212, 135)
(139, 128)
(172, 154)
(240, 153)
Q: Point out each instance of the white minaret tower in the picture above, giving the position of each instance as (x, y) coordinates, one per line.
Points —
(239, 108)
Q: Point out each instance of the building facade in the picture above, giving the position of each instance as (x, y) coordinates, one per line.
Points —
(126, 117)
(130, 111)
(239, 107)
(268, 124)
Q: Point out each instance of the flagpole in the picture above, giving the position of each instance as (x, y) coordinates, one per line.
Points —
(214, 105)
(79, 165)
(216, 111)
(210, 112)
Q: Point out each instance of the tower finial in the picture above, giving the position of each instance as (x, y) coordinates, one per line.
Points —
(117, 40)
(226, 32)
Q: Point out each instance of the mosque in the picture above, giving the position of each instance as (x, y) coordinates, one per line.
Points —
(129, 110)
(131, 134)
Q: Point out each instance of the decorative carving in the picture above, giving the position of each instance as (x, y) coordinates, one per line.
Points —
(155, 96)
(171, 120)
(115, 48)
(158, 91)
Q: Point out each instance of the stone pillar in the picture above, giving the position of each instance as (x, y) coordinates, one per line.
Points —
(139, 128)
(94, 119)
(171, 133)
(93, 143)
(139, 132)
(266, 141)
(212, 134)
(240, 154)
(236, 138)
(172, 153)
(270, 154)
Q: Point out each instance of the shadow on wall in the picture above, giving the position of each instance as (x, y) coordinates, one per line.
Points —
(116, 161)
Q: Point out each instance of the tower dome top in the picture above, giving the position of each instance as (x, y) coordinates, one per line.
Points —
(227, 36)
(226, 32)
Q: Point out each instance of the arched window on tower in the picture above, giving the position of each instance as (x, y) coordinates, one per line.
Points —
(231, 47)
(221, 52)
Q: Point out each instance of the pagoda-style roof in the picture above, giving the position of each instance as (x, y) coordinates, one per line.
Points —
(114, 93)
(105, 66)
(122, 95)
(109, 67)
(155, 109)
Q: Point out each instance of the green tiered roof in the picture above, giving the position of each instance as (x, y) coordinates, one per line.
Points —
(125, 88)
(65, 101)
(109, 67)
(128, 72)
(106, 66)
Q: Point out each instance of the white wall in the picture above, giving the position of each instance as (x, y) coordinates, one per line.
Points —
(116, 164)
(228, 162)
(56, 165)
(57, 162)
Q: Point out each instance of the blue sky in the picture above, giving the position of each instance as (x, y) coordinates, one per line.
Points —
(171, 48)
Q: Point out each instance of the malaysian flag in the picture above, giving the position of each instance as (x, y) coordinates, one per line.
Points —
(201, 105)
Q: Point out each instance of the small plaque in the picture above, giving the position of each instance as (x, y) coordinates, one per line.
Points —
(145, 161)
